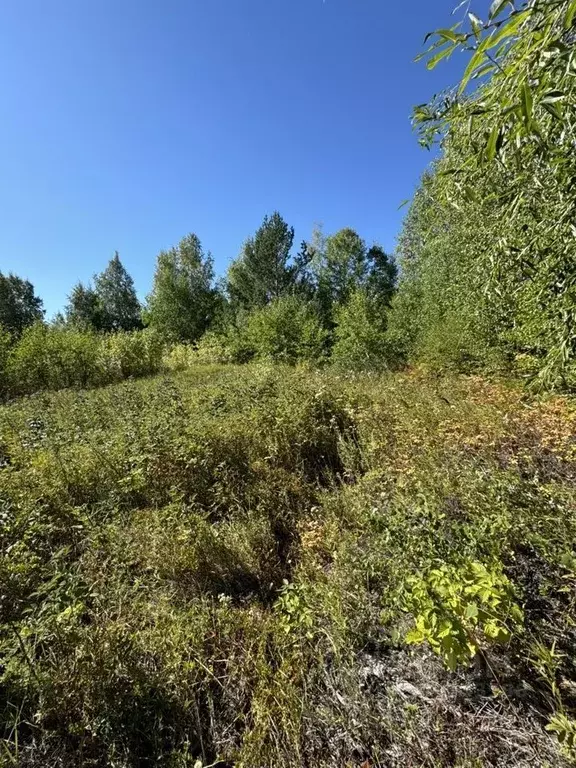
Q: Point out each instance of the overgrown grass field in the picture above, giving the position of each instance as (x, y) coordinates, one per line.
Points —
(263, 567)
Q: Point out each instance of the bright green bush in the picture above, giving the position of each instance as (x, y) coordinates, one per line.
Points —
(287, 330)
(131, 354)
(48, 358)
(457, 610)
(57, 358)
(178, 357)
(360, 335)
(216, 347)
(487, 248)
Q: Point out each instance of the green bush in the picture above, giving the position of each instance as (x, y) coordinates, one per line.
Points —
(360, 335)
(215, 347)
(49, 358)
(57, 358)
(132, 354)
(4, 353)
(287, 330)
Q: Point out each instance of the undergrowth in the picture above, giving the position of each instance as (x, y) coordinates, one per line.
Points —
(262, 566)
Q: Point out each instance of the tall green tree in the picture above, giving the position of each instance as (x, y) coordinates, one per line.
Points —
(183, 299)
(341, 266)
(491, 252)
(84, 309)
(19, 305)
(119, 305)
(382, 275)
(263, 272)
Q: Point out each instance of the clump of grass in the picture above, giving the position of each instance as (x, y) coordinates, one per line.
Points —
(218, 567)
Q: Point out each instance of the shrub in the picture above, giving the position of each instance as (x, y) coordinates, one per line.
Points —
(57, 358)
(132, 354)
(50, 358)
(4, 352)
(179, 357)
(360, 335)
(456, 610)
(287, 330)
(215, 347)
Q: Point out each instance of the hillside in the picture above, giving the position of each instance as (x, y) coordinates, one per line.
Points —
(271, 566)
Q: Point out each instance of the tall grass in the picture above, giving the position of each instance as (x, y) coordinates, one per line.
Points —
(223, 566)
(56, 358)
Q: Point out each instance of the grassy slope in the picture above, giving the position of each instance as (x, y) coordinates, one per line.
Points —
(217, 566)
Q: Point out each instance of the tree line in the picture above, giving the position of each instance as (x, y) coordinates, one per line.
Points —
(317, 285)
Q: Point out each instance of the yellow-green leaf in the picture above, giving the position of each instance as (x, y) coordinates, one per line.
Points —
(526, 102)
(492, 144)
(432, 62)
(570, 14)
(473, 64)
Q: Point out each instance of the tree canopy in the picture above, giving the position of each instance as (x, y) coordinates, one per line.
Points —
(183, 300)
(118, 304)
(19, 305)
(263, 272)
(487, 250)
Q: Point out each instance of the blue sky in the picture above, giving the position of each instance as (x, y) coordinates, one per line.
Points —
(129, 123)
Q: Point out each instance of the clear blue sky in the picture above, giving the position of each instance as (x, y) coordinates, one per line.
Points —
(129, 123)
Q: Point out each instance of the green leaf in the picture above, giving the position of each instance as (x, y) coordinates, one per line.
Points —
(471, 611)
(570, 13)
(506, 30)
(483, 70)
(492, 144)
(469, 194)
(497, 7)
(474, 62)
(449, 34)
(526, 103)
(476, 23)
(439, 56)
(554, 110)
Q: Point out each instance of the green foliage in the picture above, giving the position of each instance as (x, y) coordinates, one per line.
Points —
(295, 614)
(360, 335)
(287, 330)
(382, 276)
(47, 358)
(340, 265)
(490, 236)
(118, 305)
(19, 306)
(263, 272)
(5, 343)
(565, 730)
(183, 301)
(57, 358)
(84, 309)
(126, 355)
(218, 347)
(457, 609)
(215, 566)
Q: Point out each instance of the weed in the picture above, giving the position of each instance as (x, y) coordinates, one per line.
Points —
(214, 566)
